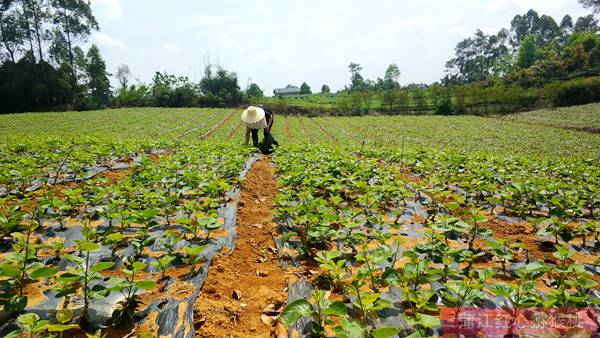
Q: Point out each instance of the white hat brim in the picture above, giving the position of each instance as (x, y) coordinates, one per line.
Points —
(247, 117)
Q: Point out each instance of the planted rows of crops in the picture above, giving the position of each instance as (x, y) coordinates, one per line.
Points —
(89, 256)
(80, 149)
(109, 219)
(394, 247)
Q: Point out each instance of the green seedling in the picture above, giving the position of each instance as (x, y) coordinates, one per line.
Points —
(85, 276)
(192, 256)
(163, 265)
(128, 287)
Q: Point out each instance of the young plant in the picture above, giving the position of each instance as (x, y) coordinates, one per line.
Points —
(141, 241)
(173, 237)
(474, 219)
(86, 276)
(335, 269)
(467, 291)
(209, 224)
(63, 317)
(192, 256)
(499, 249)
(31, 325)
(366, 303)
(322, 312)
(521, 293)
(163, 265)
(114, 241)
(557, 229)
(123, 317)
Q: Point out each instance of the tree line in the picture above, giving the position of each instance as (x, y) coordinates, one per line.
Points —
(43, 66)
(534, 62)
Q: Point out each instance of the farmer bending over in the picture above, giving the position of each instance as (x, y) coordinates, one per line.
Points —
(256, 118)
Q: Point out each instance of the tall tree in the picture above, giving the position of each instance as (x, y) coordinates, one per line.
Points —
(325, 89)
(76, 21)
(567, 25)
(391, 77)
(98, 84)
(527, 52)
(592, 4)
(305, 89)
(37, 14)
(549, 30)
(254, 91)
(523, 25)
(123, 75)
(220, 88)
(587, 24)
(475, 56)
(11, 31)
(356, 80)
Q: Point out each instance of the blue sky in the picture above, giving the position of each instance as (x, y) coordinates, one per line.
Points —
(276, 42)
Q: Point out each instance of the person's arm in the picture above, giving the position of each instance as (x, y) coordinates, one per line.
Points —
(247, 136)
(270, 122)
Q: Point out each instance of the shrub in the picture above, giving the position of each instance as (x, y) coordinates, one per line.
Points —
(444, 106)
(577, 92)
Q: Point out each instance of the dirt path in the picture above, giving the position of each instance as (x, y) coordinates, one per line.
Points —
(252, 269)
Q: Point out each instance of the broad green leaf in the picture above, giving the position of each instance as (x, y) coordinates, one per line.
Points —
(99, 292)
(43, 273)
(102, 266)
(75, 259)
(145, 284)
(296, 310)
(89, 246)
(385, 332)
(64, 315)
(336, 308)
(28, 318)
(428, 320)
(139, 266)
(61, 327)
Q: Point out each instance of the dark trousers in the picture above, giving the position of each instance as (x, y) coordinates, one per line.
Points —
(255, 136)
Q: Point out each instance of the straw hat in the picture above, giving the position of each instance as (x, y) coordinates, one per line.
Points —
(253, 114)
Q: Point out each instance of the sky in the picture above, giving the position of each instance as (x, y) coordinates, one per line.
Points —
(277, 42)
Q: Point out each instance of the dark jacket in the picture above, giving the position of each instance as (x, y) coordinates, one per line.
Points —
(266, 146)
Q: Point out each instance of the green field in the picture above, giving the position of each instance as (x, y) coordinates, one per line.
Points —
(385, 209)
(586, 118)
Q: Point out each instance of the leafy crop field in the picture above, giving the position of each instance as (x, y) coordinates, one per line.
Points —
(159, 222)
(585, 118)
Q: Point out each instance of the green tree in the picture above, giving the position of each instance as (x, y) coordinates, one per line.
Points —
(527, 52)
(220, 88)
(392, 75)
(12, 33)
(325, 89)
(390, 98)
(37, 16)
(567, 24)
(594, 59)
(591, 4)
(99, 84)
(356, 80)
(587, 24)
(76, 22)
(305, 89)
(123, 76)
(254, 91)
(475, 56)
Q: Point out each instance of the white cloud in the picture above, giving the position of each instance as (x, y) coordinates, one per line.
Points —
(172, 47)
(107, 42)
(108, 9)
(498, 6)
(416, 23)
